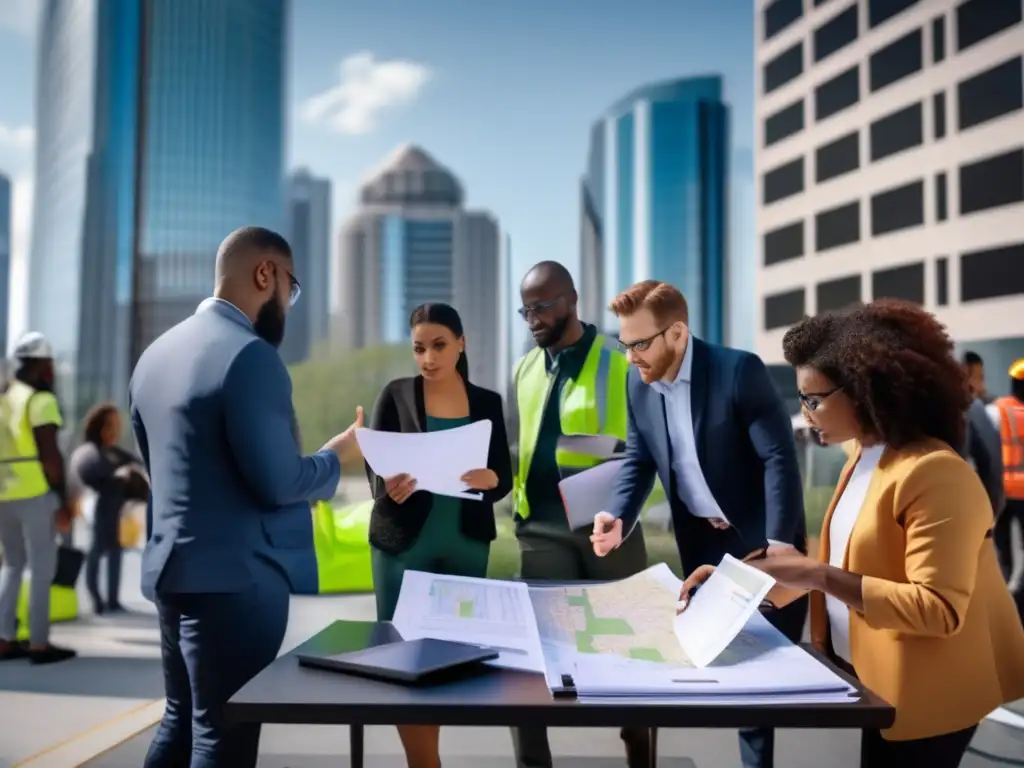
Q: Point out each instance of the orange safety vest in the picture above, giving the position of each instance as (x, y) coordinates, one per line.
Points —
(1011, 430)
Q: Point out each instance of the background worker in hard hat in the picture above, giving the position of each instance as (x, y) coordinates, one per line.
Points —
(33, 499)
(1007, 413)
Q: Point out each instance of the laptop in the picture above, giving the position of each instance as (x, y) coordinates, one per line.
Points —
(412, 662)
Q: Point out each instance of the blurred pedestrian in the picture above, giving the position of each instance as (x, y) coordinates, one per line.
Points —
(113, 474)
(229, 523)
(34, 502)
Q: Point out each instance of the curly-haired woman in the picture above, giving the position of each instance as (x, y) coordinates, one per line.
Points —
(907, 593)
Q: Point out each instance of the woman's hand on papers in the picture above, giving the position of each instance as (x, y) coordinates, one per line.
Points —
(480, 479)
(693, 581)
(400, 487)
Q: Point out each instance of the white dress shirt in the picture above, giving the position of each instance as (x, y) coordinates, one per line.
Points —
(844, 517)
(691, 487)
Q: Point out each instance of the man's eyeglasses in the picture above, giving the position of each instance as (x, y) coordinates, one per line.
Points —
(813, 400)
(640, 345)
(541, 306)
(294, 289)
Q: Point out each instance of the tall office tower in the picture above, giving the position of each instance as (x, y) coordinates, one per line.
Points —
(655, 200)
(160, 129)
(891, 164)
(309, 232)
(412, 242)
(5, 261)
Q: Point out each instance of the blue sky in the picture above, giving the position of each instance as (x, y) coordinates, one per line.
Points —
(503, 92)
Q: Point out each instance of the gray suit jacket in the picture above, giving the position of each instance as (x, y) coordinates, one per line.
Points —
(983, 447)
(211, 407)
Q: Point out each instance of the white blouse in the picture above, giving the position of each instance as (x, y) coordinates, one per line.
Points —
(840, 527)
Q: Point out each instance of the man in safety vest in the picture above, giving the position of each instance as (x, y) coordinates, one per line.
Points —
(1007, 413)
(572, 383)
(33, 499)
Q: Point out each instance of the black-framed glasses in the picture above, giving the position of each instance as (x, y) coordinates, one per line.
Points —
(640, 345)
(294, 288)
(541, 306)
(813, 400)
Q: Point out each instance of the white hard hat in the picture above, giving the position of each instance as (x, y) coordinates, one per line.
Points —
(33, 345)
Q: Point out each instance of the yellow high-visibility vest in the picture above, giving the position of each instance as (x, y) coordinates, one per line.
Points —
(592, 404)
(21, 472)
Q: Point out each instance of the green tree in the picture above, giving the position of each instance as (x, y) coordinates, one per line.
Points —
(326, 390)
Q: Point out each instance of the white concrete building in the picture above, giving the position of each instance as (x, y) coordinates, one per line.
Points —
(890, 163)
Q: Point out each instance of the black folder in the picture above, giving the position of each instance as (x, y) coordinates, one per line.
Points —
(413, 662)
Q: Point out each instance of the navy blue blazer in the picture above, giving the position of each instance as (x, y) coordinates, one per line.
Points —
(746, 449)
(211, 408)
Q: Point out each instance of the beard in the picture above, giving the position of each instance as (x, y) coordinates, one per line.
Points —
(549, 335)
(656, 368)
(269, 324)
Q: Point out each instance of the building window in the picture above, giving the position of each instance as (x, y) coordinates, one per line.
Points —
(904, 282)
(837, 94)
(837, 226)
(939, 114)
(782, 182)
(992, 273)
(992, 182)
(787, 66)
(990, 94)
(978, 19)
(901, 58)
(938, 39)
(784, 243)
(880, 11)
(780, 14)
(897, 132)
(898, 208)
(941, 198)
(837, 157)
(835, 34)
(784, 309)
(784, 123)
(838, 294)
(942, 281)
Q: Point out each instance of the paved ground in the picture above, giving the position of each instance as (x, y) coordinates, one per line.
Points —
(119, 670)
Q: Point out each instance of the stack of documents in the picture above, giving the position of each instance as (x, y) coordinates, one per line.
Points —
(435, 460)
(625, 639)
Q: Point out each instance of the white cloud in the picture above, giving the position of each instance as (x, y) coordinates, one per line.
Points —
(367, 88)
(21, 230)
(20, 16)
(20, 137)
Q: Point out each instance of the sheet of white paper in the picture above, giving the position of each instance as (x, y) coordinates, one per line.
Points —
(720, 609)
(486, 612)
(436, 460)
(587, 493)
(754, 700)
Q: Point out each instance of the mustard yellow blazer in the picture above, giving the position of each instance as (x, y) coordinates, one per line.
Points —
(939, 638)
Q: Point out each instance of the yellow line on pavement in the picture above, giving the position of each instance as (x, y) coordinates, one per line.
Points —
(92, 742)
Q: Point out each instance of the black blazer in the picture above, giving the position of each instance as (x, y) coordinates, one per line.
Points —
(401, 408)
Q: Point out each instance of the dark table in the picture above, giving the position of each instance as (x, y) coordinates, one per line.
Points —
(287, 693)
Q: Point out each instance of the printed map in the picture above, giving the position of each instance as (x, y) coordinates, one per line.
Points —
(630, 619)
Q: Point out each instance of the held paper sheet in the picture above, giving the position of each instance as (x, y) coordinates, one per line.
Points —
(436, 460)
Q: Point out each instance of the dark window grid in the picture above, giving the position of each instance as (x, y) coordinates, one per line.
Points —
(977, 20)
(992, 273)
(837, 226)
(901, 58)
(836, 33)
(939, 115)
(786, 66)
(941, 197)
(897, 132)
(942, 281)
(837, 157)
(992, 182)
(783, 243)
(938, 39)
(990, 94)
(839, 293)
(784, 309)
(898, 208)
(784, 123)
(837, 94)
(880, 11)
(783, 181)
(780, 14)
(903, 282)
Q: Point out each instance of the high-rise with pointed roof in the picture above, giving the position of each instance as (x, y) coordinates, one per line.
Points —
(410, 242)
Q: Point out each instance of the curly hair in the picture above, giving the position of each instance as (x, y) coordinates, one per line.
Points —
(95, 420)
(895, 362)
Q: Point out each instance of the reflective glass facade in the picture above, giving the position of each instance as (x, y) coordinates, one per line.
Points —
(175, 140)
(5, 259)
(660, 195)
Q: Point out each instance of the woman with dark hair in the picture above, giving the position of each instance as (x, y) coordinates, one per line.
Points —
(907, 592)
(417, 530)
(109, 471)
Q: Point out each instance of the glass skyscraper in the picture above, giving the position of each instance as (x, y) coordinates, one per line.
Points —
(654, 200)
(161, 127)
(5, 260)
